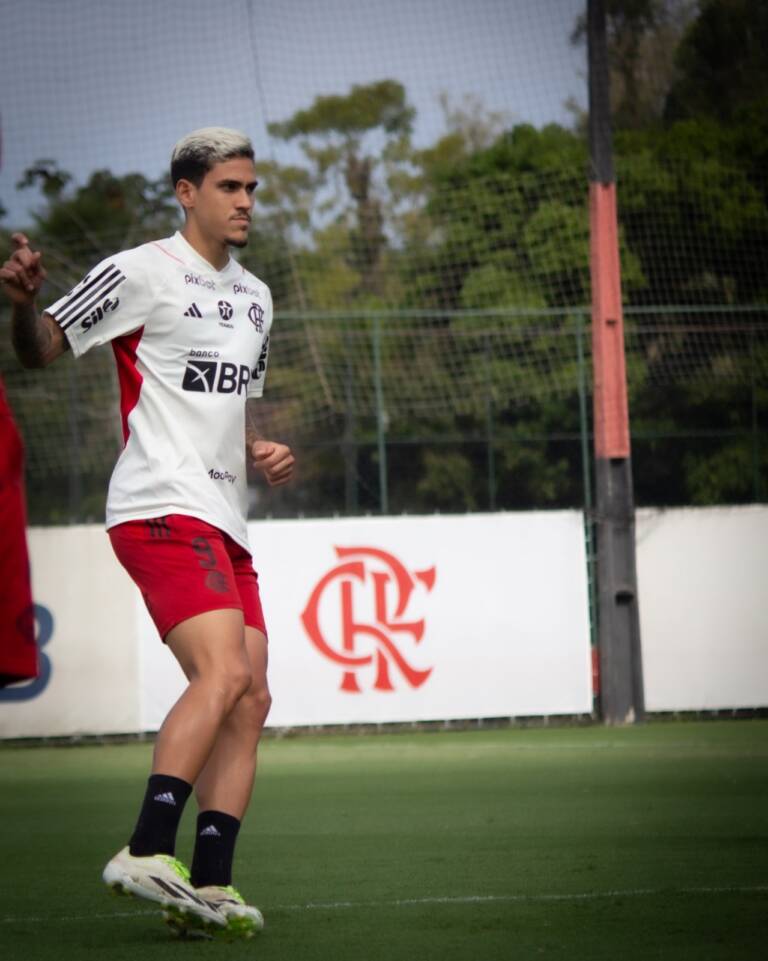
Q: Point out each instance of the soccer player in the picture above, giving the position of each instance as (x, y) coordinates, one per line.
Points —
(189, 328)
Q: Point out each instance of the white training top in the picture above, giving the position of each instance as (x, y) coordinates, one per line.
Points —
(191, 343)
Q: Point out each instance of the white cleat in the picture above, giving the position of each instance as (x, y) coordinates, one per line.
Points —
(164, 880)
(242, 920)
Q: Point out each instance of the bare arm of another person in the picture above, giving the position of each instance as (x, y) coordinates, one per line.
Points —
(37, 340)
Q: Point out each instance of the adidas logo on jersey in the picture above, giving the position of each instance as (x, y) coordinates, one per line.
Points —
(165, 798)
(193, 311)
(211, 377)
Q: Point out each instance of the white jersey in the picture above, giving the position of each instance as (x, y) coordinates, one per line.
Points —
(191, 344)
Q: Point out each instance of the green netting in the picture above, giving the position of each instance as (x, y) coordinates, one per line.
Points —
(422, 221)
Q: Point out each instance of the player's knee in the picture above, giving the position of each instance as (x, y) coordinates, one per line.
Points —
(234, 685)
(264, 703)
(256, 704)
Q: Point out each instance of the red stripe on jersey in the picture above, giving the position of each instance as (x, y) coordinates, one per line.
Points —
(127, 373)
(167, 254)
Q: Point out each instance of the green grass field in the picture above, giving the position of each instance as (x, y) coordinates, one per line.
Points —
(569, 843)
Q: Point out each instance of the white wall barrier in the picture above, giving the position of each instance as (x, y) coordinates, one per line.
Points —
(386, 619)
(415, 618)
(85, 609)
(703, 584)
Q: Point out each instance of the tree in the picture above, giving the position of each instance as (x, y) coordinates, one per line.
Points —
(486, 232)
(343, 136)
(721, 62)
(694, 209)
(510, 226)
(81, 225)
(642, 38)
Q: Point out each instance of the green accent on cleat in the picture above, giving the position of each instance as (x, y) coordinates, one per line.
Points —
(242, 921)
(165, 881)
(178, 867)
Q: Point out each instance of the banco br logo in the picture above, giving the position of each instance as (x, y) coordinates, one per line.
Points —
(356, 617)
(225, 310)
(212, 377)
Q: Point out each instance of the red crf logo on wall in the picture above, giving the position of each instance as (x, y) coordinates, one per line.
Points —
(357, 616)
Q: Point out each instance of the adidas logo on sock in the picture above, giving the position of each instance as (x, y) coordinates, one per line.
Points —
(166, 798)
(210, 831)
(193, 311)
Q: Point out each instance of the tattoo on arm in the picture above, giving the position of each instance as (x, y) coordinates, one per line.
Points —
(36, 340)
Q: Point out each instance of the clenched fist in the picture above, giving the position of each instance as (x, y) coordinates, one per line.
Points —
(275, 461)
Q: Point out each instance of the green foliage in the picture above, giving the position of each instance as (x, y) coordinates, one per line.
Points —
(721, 61)
(726, 474)
(513, 227)
(47, 174)
(491, 284)
(486, 231)
(81, 225)
(694, 185)
(642, 38)
(365, 107)
(345, 137)
(447, 481)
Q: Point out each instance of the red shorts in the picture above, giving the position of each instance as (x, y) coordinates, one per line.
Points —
(184, 567)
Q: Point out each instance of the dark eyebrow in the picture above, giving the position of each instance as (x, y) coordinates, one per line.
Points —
(251, 185)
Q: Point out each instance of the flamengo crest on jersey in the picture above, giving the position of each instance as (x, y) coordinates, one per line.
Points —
(191, 344)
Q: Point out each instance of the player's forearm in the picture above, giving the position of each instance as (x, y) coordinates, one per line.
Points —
(252, 432)
(34, 338)
(30, 338)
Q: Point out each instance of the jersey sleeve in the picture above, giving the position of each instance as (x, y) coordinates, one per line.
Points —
(259, 372)
(111, 300)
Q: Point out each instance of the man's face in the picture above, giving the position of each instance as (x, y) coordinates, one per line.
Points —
(222, 204)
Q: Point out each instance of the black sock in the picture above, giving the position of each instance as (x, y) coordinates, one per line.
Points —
(214, 848)
(155, 831)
